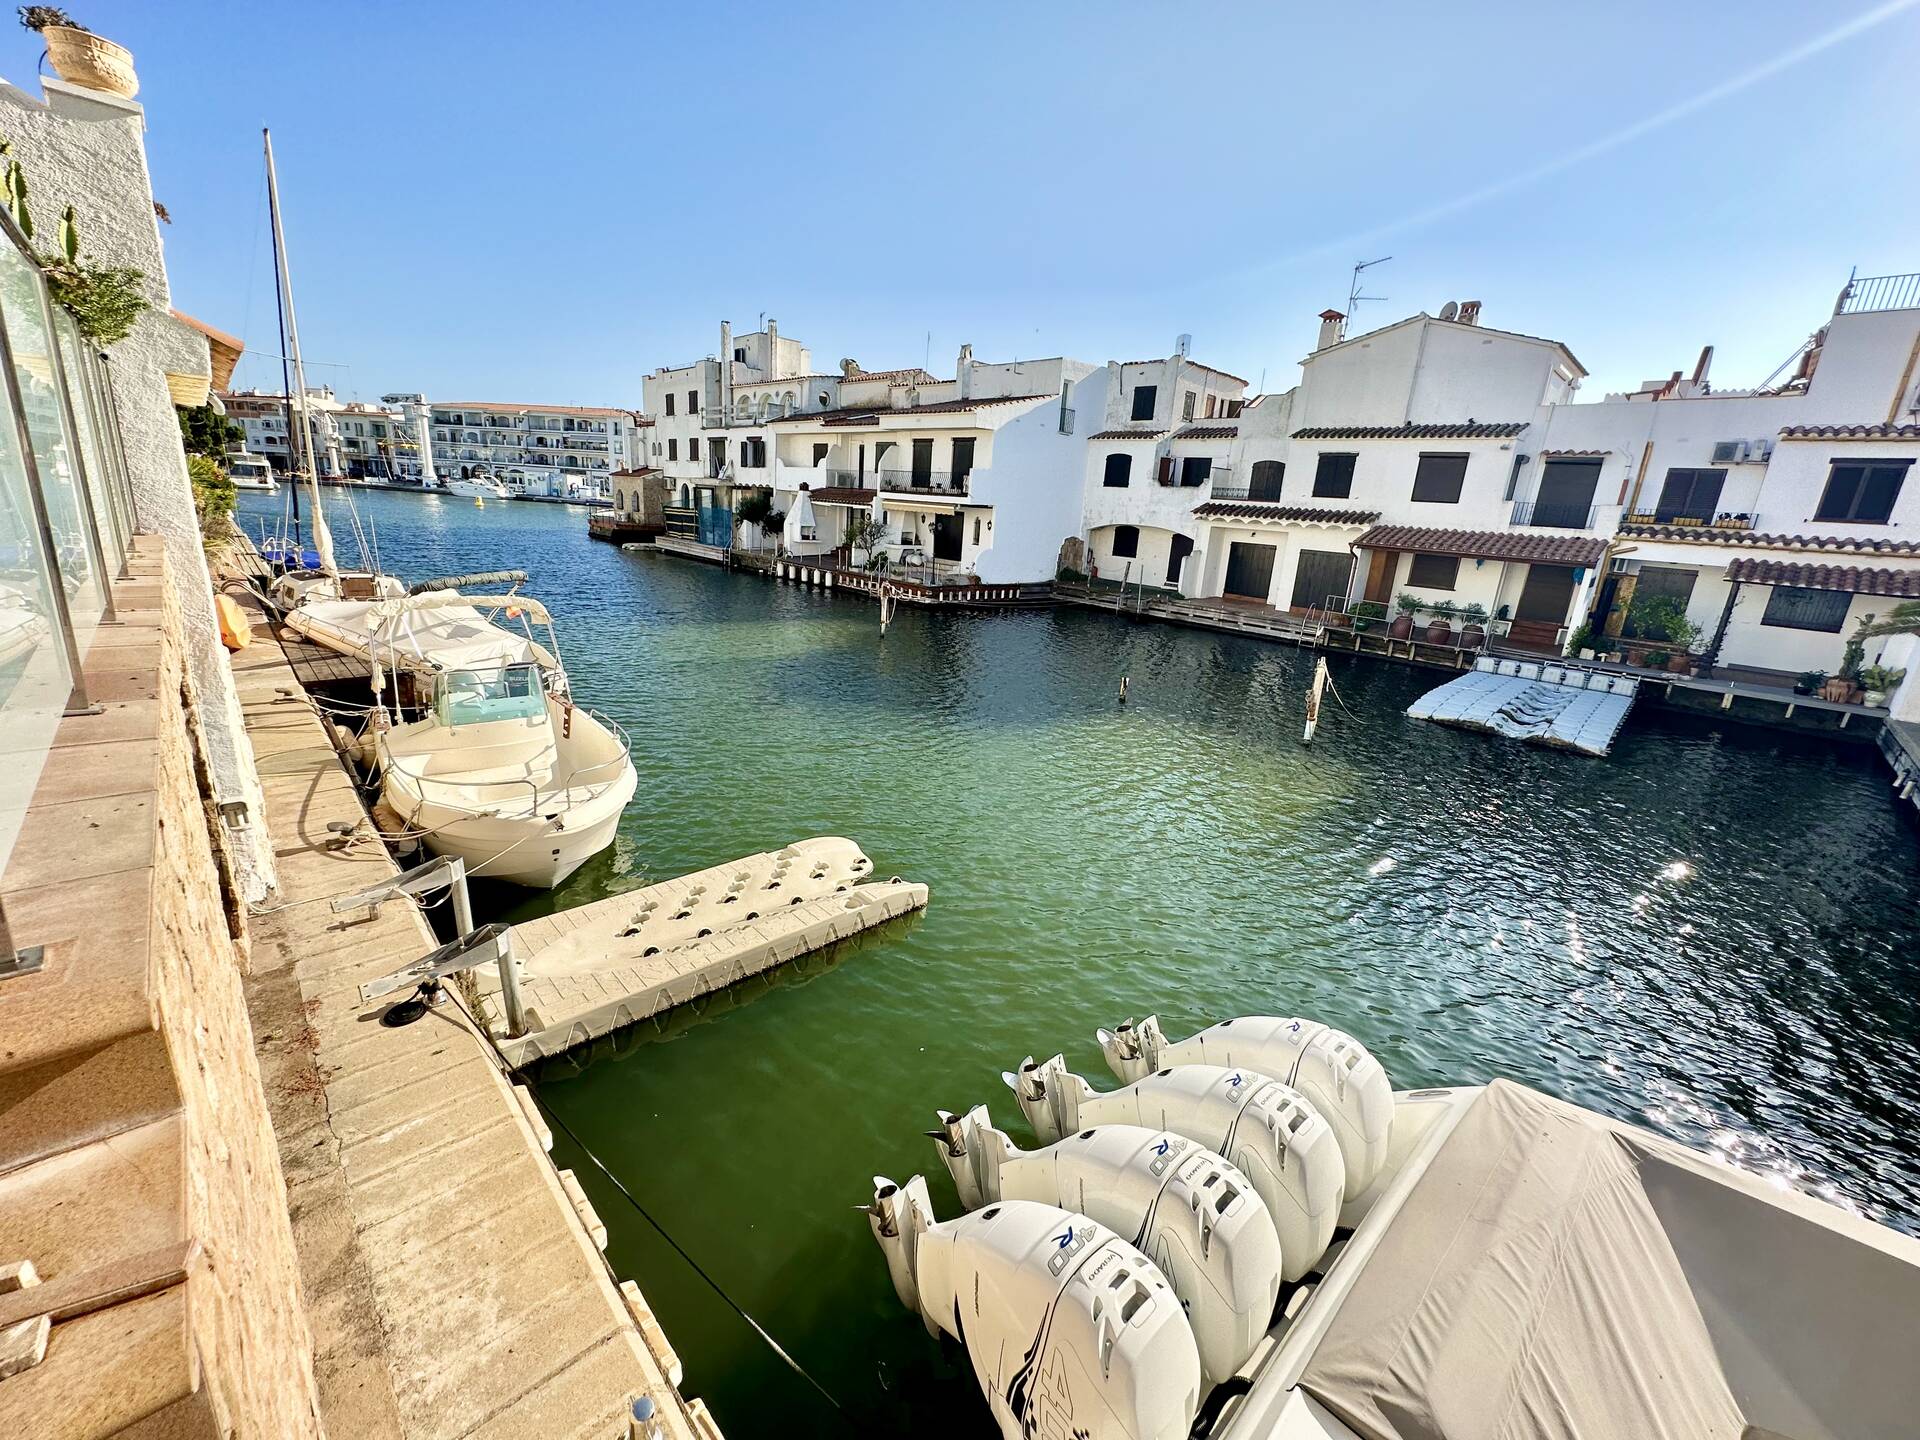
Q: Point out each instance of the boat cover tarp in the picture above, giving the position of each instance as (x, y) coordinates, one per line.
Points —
(452, 636)
(1526, 1290)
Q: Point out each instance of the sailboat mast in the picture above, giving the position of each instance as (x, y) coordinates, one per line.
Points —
(308, 469)
(286, 375)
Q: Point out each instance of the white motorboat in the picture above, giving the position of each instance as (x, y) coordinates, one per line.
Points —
(513, 778)
(250, 472)
(1517, 1268)
(479, 487)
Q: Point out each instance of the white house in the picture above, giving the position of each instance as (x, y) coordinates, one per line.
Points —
(560, 450)
(1164, 442)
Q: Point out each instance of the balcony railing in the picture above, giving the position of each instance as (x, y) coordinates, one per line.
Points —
(1879, 292)
(1555, 514)
(937, 482)
(1242, 490)
(1692, 519)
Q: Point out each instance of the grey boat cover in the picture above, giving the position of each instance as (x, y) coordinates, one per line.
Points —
(1526, 1290)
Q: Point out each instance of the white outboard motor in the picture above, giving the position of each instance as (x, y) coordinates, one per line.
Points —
(1195, 1216)
(1267, 1130)
(1332, 1069)
(1071, 1330)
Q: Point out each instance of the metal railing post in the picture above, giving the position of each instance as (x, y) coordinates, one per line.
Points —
(510, 990)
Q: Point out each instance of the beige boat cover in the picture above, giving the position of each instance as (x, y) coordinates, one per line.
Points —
(1525, 1291)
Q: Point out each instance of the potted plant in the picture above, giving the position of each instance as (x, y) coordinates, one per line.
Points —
(1879, 681)
(1473, 626)
(1808, 682)
(1366, 614)
(1581, 641)
(79, 56)
(1439, 631)
(1402, 625)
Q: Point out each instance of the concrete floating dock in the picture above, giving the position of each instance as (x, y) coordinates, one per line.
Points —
(595, 969)
(1543, 704)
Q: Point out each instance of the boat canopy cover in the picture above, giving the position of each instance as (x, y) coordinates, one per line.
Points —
(453, 636)
(1529, 1287)
(440, 599)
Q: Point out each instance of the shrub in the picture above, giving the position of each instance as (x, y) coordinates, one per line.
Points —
(213, 497)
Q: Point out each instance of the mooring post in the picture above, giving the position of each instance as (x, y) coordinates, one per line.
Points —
(510, 989)
(1123, 689)
(462, 898)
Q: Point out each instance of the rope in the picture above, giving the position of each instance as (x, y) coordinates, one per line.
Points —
(692, 1264)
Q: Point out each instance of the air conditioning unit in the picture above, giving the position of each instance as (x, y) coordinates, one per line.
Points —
(1760, 451)
(1730, 452)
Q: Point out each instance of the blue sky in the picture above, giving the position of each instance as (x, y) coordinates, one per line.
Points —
(483, 207)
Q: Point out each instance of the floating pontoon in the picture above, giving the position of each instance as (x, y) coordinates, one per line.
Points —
(1540, 702)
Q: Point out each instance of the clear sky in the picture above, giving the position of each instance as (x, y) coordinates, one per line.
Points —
(525, 202)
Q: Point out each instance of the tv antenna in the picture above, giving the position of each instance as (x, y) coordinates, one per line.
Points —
(1354, 297)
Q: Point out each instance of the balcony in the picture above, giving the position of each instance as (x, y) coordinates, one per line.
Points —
(932, 482)
(1692, 519)
(1243, 490)
(1552, 514)
(1880, 292)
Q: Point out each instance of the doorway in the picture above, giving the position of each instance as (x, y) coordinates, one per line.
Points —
(962, 461)
(947, 535)
(1177, 554)
(1318, 574)
(1380, 575)
(922, 464)
(1542, 607)
(1249, 571)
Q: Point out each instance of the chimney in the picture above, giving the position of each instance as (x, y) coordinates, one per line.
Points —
(963, 372)
(1331, 323)
(774, 371)
(1469, 312)
(726, 369)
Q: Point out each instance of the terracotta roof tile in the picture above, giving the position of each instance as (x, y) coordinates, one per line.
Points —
(1127, 435)
(1574, 454)
(1752, 540)
(1902, 583)
(1530, 545)
(1851, 432)
(1472, 430)
(1207, 432)
(842, 495)
(1270, 510)
(874, 414)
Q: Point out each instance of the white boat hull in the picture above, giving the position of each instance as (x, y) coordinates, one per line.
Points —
(523, 851)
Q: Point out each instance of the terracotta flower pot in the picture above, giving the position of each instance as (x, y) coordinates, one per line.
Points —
(1636, 657)
(82, 58)
(1401, 627)
(1679, 664)
(1439, 632)
(1472, 636)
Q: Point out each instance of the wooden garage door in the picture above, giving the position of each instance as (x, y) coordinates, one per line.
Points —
(1318, 574)
(1249, 570)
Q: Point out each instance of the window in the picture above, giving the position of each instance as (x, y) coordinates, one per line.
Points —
(1232, 409)
(1186, 406)
(673, 449)
(740, 353)
(1565, 496)
(1689, 495)
(1144, 399)
(1210, 407)
(1333, 479)
(1862, 492)
(1194, 470)
(1119, 472)
(1795, 609)
(1126, 542)
(819, 456)
(1439, 478)
(1433, 572)
(693, 402)
(1267, 478)
(693, 448)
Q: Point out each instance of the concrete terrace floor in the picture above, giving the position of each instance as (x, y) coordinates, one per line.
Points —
(453, 1288)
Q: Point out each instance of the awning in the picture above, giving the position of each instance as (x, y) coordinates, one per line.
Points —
(920, 507)
(1533, 546)
(1851, 578)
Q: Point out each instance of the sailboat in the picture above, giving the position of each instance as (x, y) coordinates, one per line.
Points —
(326, 580)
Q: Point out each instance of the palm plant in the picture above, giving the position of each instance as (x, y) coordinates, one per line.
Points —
(1903, 619)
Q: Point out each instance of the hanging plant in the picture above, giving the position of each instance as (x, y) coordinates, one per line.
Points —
(104, 300)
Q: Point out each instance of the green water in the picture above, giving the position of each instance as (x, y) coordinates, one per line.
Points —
(1467, 907)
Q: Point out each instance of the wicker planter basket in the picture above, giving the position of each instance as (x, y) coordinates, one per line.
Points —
(82, 58)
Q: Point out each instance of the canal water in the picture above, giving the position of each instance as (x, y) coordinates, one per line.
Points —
(1713, 932)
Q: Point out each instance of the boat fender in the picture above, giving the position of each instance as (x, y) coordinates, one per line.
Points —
(1190, 1211)
(1070, 1329)
(1341, 1078)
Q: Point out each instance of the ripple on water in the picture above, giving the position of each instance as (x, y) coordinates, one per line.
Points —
(1712, 933)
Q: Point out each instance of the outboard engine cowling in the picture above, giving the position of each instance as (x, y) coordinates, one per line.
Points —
(1071, 1330)
(1332, 1069)
(1189, 1211)
(1266, 1129)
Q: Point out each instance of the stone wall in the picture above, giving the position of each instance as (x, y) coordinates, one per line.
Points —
(251, 1332)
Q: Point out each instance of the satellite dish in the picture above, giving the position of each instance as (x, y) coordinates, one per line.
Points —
(1450, 310)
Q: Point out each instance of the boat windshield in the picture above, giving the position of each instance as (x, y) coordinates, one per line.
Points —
(473, 697)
